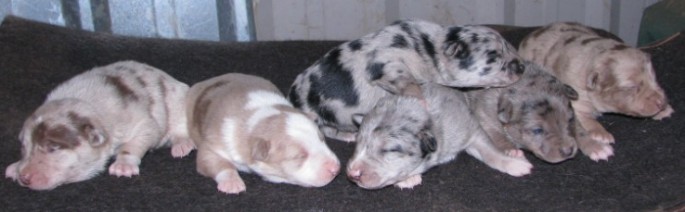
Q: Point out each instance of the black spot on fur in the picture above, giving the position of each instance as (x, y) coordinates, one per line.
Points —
(485, 71)
(398, 41)
(492, 56)
(335, 81)
(375, 71)
(326, 114)
(569, 40)
(474, 38)
(589, 40)
(619, 47)
(355, 45)
(429, 47)
(294, 97)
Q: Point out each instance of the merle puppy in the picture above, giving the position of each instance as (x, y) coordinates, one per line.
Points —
(351, 78)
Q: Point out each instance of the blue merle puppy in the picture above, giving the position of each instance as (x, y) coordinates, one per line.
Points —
(352, 77)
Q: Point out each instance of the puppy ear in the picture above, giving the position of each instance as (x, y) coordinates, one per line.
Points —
(453, 45)
(260, 148)
(569, 92)
(505, 109)
(357, 119)
(428, 143)
(592, 80)
(95, 136)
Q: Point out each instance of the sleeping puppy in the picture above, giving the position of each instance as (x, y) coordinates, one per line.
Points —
(123, 110)
(243, 122)
(404, 135)
(610, 76)
(351, 78)
(534, 114)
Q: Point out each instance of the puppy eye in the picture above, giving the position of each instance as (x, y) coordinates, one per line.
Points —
(537, 131)
(52, 147)
(396, 149)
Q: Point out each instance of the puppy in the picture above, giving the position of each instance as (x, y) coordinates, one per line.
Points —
(122, 109)
(403, 136)
(610, 76)
(534, 114)
(351, 78)
(243, 122)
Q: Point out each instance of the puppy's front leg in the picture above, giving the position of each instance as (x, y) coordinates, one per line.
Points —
(409, 182)
(594, 128)
(482, 149)
(131, 152)
(594, 149)
(210, 164)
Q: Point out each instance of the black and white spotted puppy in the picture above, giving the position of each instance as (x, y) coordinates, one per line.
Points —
(123, 109)
(534, 113)
(352, 77)
(403, 136)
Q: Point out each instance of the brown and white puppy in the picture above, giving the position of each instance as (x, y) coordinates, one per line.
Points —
(610, 76)
(404, 136)
(243, 122)
(123, 109)
(534, 114)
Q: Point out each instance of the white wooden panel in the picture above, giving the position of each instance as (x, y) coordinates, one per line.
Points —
(165, 18)
(570, 11)
(291, 18)
(47, 11)
(529, 13)
(489, 12)
(123, 13)
(197, 19)
(86, 15)
(351, 19)
(597, 13)
(443, 12)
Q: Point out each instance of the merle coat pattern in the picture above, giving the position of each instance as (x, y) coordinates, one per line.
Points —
(350, 78)
(534, 113)
(403, 136)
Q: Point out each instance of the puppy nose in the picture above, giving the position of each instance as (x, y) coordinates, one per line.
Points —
(354, 175)
(332, 167)
(568, 152)
(25, 179)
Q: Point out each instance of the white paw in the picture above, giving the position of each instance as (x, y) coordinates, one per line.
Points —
(518, 167)
(517, 153)
(664, 113)
(231, 186)
(602, 153)
(409, 182)
(601, 136)
(182, 148)
(125, 166)
(12, 171)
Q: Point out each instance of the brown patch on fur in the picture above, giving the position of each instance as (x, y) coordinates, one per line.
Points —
(60, 136)
(203, 104)
(540, 31)
(589, 40)
(122, 89)
(569, 40)
(619, 47)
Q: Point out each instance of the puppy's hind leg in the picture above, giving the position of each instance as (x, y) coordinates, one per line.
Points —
(482, 149)
(210, 164)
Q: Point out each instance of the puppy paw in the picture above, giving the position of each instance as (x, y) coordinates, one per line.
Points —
(125, 166)
(339, 135)
(664, 113)
(182, 147)
(231, 186)
(409, 182)
(516, 153)
(601, 135)
(518, 167)
(12, 171)
(597, 151)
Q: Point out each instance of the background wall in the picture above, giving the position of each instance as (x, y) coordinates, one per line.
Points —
(225, 20)
(343, 20)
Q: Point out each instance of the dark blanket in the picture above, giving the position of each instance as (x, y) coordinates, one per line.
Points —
(647, 172)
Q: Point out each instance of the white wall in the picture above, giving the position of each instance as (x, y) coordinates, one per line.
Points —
(348, 19)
